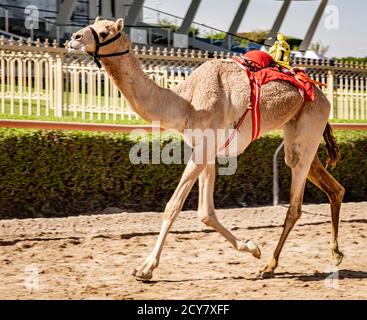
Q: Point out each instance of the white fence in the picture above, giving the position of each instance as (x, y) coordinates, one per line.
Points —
(43, 80)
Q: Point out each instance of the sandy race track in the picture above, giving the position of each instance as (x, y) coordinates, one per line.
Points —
(92, 256)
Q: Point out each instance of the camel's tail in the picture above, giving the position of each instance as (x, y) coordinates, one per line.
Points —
(331, 146)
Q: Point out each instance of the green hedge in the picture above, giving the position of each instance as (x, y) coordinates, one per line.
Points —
(52, 173)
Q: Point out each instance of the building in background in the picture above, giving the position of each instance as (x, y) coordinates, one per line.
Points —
(57, 19)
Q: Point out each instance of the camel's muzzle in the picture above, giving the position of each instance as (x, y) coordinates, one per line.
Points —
(75, 45)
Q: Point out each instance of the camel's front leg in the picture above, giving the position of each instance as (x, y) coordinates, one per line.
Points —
(206, 212)
(173, 208)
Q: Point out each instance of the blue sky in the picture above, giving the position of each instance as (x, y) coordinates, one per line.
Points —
(350, 39)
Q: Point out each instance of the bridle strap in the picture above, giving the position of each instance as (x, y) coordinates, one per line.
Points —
(96, 56)
(96, 38)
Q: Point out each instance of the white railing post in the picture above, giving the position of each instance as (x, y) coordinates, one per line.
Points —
(2, 82)
(46, 71)
(330, 88)
(276, 175)
(59, 85)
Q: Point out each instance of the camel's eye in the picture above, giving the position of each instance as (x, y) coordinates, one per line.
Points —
(104, 34)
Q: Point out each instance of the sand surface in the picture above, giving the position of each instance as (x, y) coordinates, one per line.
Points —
(92, 256)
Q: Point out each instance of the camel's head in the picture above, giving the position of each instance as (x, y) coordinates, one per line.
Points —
(105, 29)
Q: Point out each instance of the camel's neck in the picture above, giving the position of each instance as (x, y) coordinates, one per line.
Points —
(146, 98)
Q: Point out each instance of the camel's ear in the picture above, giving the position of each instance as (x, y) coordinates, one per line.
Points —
(119, 25)
(97, 19)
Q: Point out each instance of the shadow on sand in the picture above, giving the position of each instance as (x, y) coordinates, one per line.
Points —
(320, 276)
(317, 276)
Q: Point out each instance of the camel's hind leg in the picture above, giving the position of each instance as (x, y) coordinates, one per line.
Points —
(206, 212)
(302, 138)
(299, 175)
(335, 192)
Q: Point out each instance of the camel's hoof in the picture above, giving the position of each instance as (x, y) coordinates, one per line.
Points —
(266, 274)
(141, 275)
(254, 249)
(338, 257)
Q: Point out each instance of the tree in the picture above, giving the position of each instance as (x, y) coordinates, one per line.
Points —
(352, 59)
(167, 24)
(259, 36)
(319, 48)
(216, 36)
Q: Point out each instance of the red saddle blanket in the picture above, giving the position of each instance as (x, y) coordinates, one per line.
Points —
(263, 69)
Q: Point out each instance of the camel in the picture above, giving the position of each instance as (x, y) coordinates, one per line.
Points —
(214, 96)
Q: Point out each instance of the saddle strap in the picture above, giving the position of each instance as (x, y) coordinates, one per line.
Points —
(254, 106)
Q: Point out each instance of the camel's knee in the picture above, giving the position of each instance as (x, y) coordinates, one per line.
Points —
(293, 154)
(293, 214)
(171, 210)
(338, 194)
(207, 218)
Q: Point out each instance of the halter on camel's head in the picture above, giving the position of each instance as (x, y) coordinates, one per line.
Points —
(98, 39)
